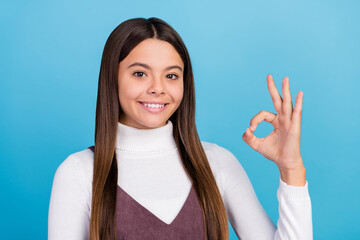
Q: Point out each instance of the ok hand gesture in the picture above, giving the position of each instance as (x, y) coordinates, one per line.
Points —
(282, 145)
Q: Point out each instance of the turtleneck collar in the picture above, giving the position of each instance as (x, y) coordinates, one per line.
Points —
(145, 140)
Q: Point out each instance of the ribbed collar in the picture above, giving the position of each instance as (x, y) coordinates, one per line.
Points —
(145, 140)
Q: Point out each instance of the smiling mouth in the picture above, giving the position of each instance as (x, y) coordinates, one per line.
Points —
(154, 105)
(153, 108)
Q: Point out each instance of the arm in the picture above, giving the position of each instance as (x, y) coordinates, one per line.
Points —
(295, 217)
(68, 209)
(282, 146)
(248, 217)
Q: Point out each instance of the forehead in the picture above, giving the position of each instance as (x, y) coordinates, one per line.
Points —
(154, 52)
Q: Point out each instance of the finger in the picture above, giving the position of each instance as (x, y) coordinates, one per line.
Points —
(258, 118)
(251, 139)
(277, 100)
(296, 115)
(287, 107)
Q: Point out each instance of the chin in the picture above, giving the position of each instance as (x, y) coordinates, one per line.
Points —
(154, 124)
(145, 123)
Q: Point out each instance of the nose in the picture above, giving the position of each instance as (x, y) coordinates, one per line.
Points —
(156, 86)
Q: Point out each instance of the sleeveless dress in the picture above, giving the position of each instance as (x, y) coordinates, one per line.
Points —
(134, 222)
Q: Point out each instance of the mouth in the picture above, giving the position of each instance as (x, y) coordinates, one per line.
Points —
(153, 107)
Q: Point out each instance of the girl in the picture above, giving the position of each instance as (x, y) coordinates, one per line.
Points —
(150, 177)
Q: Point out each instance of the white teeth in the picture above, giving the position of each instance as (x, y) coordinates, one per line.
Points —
(154, 105)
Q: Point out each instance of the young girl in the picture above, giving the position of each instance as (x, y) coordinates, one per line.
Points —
(150, 177)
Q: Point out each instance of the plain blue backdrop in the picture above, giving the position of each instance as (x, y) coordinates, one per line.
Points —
(49, 65)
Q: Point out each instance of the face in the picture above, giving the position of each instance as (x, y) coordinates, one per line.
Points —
(150, 82)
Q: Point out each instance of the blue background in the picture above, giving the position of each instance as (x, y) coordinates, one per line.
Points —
(49, 66)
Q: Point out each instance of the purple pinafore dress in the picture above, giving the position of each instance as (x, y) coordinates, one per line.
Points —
(135, 222)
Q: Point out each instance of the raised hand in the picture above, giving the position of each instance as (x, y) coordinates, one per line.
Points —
(282, 145)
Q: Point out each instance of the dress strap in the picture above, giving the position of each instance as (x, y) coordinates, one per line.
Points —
(92, 148)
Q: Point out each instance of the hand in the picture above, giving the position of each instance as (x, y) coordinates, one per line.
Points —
(282, 145)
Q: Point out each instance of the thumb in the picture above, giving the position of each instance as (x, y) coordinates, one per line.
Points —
(250, 139)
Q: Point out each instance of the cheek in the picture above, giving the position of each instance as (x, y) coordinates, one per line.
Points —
(128, 93)
(177, 93)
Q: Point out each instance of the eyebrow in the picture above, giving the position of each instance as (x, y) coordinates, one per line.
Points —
(148, 67)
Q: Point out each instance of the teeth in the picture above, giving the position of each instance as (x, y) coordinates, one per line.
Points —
(154, 105)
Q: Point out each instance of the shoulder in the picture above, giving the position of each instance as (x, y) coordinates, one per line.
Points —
(223, 164)
(83, 159)
(70, 200)
(230, 173)
(76, 168)
(217, 153)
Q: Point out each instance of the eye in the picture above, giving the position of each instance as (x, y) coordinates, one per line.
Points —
(173, 75)
(137, 75)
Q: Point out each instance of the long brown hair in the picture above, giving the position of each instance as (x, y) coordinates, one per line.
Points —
(119, 44)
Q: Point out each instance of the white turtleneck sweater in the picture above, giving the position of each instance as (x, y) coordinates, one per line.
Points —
(150, 171)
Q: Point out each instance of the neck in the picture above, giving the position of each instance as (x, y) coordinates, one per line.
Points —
(145, 140)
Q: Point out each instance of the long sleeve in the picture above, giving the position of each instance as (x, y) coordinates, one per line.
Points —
(247, 216)
(68, 209)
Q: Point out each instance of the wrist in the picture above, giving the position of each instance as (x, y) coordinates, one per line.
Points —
(294, 177)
